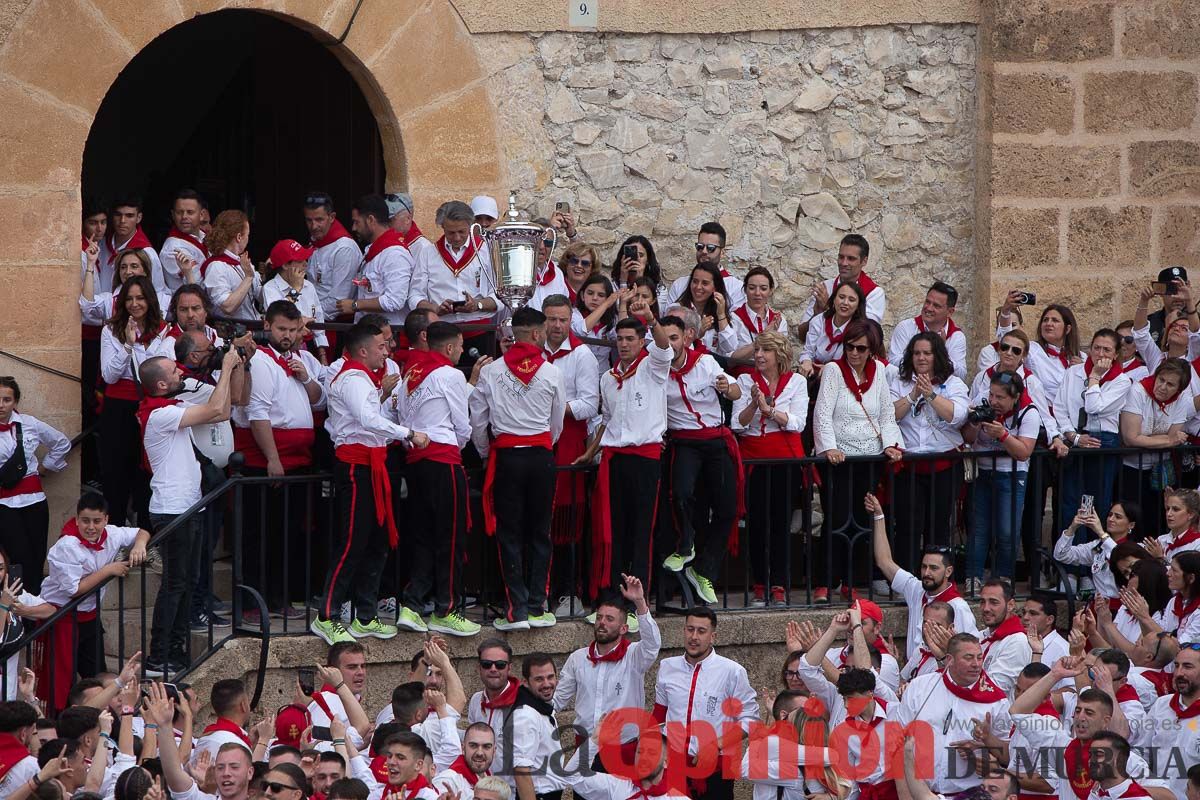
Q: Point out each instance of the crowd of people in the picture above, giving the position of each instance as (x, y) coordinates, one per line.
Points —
(999, 707)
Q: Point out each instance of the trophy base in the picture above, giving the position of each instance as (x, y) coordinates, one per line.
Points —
(514, 300)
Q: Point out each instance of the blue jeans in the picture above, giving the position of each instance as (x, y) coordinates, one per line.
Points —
(997, 500)
(1088, 474)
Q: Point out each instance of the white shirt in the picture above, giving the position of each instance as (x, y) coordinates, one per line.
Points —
(550, 281)
(212, 742)
(793, 401)
(1047, 366)
(597, 688)
(950, 719)
(699, 692)
(305, 300)
(1094, 554)
(841, 422)
(34, 434)
(956, 344)
(117, 363)
(434, 282)
(602, 786)
(1102, 402)
(1054, 647)
(876, 303)
(1024, 422)
(278, 397)
(888, 674)
(496, 718)
(437, 407)
(1033, 387)
(1187, 626)
(109, 251)
(21, 773)
(818, 347)
(213, 439)
(388, 276)
(1003, 660)
(908, 586)
(733, 288)
(581, 379)
(758, 324)
(604, 354)
(390, 367)
(71, 562)
(534, 744)
(925, 431)
(332, 269)
(765, 774)
(1154, 420)
(635, 410)
(441, 737)
(695, 404)
(1168, 539)
(355, 415)
(507, 405)
(170, 266)
(1174, 736)
(222, 278)
(175, 482)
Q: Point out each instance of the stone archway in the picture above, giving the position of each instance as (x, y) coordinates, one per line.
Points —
(414, 62)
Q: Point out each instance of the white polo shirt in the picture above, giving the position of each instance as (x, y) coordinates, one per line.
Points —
(332, 269)
(503, 403)
(170, 266)
(581, 378)
(385, 275)
(278, 397)
(1102, 402)
(222, 278)
(437, 407)
(692, 400)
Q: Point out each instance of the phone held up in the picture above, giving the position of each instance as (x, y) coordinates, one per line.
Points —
(307, 676)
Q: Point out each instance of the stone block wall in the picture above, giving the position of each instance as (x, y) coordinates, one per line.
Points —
(790, 139)
(1095, 173)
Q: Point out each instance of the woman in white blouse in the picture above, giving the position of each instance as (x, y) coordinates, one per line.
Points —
(706, 295)
(233, 284)
(931, 406)
(24, 512)
(756, 315)
(823, 342)
(854, 416)
(97, 307)
(998, 495)
(1152, 418)
(768, 418)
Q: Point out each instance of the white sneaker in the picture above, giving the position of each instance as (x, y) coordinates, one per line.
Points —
(569, 607)
(881, 587)
(797, 522)
(502, 624)
(347, 615)
(386, 607)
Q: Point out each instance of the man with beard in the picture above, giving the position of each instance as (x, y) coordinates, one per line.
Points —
(335, 257)
(1006, 648)
(475, 762)
(610, 673)
(1108, 767)
(1176, 743)
(535, 731)
(494, 703)
(189, 310)
(18, 721)
(185, 238)
(386, 269)
(232, 762)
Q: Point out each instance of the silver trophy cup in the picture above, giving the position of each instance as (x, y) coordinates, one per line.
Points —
(513, 245)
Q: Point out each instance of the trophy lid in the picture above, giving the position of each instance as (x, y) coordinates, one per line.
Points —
(514, 220)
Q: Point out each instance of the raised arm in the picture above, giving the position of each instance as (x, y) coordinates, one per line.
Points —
(436, 655)
(883, 548)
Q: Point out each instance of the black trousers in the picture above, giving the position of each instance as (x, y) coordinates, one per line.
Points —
(844, 547)
(703, 500)
(632, 502)
(360, 545)
(172, 608)
(121, 462)
(437, 534)
(274, 539)
(23, 534)
(768, 519)
(1136, 487)
(89, 648)
(524, 499)
(925, 506)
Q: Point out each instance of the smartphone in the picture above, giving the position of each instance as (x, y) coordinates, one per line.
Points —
(629, 251)
(562, 205)
(1158, 287)
(307, 676)
(320, 733)
(15, 572)
(458, 305)
(1087, 504)
(171, 689)
(1027, 299)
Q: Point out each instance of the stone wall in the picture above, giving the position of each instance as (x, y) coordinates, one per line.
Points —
(1096, 150)
(790, 139)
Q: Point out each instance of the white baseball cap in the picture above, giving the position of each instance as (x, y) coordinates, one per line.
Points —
(482, 205)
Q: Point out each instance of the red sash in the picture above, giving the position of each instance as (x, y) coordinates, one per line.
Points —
(71, 529)
(54, 660)
(982, 691)
(523, 360)
(1132, 364)
(457, 265)
(1184, 540)
(388, 238)
(616, 654)
(1114, 371)
(627, 374)
(1075, 759)
(1010, 627)
(505, 441)
(752, 321)
(224, 258)
(175, 233)
(1062, 357)
(856, 388)
(294, 446)
(147, 407)
(381, 482)
(951, 328)
(12, 752)
(30, 484)
(601, 574)
(336, 231)
(569, 491)
(411, 235)
(139, 241)
(1148, 384)
(1127, 694)
(504, 700)
(229, 726)
(419, 365)
(864, 282)
(776, 444)
(459, 765)
(1190, 712)
(945, 596)
(834, 339)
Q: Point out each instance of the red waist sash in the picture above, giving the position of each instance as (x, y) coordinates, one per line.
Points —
(731, 445)
(505, 441)
(601, 575)
(566, 526)
(776, 444)
(436, 451)
(124, 389)
(293, 444)
(30, 484)
(54, 658)
(381, 483)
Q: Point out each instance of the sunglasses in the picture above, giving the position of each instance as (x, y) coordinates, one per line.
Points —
(1127, 339)
(318, 200)
(547, 242)
(276, 788)
(709, 248)
(857, 348)
(582, 262)
(485, 664)
(791, 673)
(939, 549)
(1189, 646)
(1011, 348)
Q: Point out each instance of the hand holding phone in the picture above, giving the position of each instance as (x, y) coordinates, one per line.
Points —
(307, 676)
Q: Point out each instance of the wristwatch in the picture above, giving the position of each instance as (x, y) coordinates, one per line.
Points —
(479, 305)
(354, 305)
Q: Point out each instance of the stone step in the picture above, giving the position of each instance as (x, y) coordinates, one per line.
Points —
(222, 583)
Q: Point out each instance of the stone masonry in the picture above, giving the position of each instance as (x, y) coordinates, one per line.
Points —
(790, 139)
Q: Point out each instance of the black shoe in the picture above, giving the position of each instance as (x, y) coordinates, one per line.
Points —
(155, 669)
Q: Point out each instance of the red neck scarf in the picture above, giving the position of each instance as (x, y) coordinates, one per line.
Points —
(421, 364)
(1183, 609)
(278, 358)
(1190, 712)
(945, 595)
(573, 342)
(389, 238)
(1127, 694)
(1183, 540)
(864, 282)
(1114, 371)
(752, 320)
(1010, 627)
(780, 384)
(336, 231)
(5, 427)
(1025, 371)
(523, 360)
(951, 328)
(224, 258)
(411, 235)
(858, 389)
(457, 265)
(460, 766)
(616, 654)
(505, 698)
(1075, 758)
(12, 752)
(376, 376)
(229, 726)
(1134, 363)
(146, 407)
(1061, 355)
(1148, 384)
(71, 528)
(633, 367)
(175, 233)
(139, 241)
(982, 691)
(547, 276)
(834, 338)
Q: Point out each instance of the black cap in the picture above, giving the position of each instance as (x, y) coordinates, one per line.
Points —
(1172, 274)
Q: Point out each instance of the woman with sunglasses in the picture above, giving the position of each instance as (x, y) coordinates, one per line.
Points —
(854, 416)
(1132, 364)
(579, 262)
(823, 342)
(998, 494)
(1120, 524)
(1008, 318)
(1152, 418)
(931, 407)
(707, 295)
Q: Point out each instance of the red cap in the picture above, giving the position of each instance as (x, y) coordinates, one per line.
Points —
(289, 250)
(870, 609)
(290, 724)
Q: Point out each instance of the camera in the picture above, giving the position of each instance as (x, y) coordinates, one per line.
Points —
(981, 413)
(1026, 299)
(228, 332)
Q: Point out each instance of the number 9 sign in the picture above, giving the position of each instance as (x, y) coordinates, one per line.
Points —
(583, 13)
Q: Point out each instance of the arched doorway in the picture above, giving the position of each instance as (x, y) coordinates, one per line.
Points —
(245, 107)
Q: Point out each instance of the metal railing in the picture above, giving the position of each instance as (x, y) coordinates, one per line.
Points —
(277, 531)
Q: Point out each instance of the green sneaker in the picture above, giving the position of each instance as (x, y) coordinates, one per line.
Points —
(677, 561)
(591, 618)
(453, 624)
(410, 620)
(331, 630)
(631, 623)
(702, 585)
(544, 620)
(375, 628)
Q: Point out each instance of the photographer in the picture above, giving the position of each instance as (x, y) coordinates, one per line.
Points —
(175, 487)
(1007, 426)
